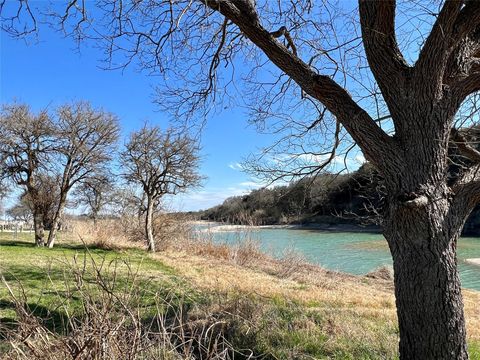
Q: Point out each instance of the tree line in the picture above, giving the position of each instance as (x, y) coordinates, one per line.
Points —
(325, 198)
(351, 198)
(72, 152)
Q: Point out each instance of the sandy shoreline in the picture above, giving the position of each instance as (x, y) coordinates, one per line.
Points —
(473, 261)
(220, 227)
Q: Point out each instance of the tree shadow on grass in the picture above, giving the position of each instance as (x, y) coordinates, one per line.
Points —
(22, 244)
(54, 320)
(19, 246)
(21, 274)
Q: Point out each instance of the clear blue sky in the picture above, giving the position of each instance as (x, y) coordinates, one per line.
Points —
(50, 71)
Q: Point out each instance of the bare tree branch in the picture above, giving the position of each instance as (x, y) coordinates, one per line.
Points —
(371, 138)
(468, 20)
(384, 57)
(26, 149)
(464, 147)
(439, 43)
(84, 141)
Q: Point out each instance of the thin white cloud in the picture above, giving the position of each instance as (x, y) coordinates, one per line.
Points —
(209, 197)
(205, 199)
(251, 184)
(235, 166)
(360, 159)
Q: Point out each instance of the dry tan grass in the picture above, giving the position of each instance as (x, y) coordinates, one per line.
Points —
(244, 268)
(472, 313)
(310, 283)
(288, 307)
(244, 253)
(107, 234)
(346, 298)
(124, 233)
(355, 307)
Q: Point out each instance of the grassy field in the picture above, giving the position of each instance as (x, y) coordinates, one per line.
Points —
(251, 306)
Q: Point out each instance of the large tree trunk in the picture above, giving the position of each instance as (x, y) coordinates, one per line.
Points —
(56, 221)
(149, 225)
(38, 227)
(429, 302)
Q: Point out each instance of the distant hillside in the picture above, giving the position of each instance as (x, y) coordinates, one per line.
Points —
(353, 198)
(326, 198)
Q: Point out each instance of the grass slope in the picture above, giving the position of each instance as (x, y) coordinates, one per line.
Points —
(310, 314)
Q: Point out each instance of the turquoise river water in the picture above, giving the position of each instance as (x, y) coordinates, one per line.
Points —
(352, 252)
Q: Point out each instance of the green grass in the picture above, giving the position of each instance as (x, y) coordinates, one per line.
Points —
(291, 330)
(60, 284)
(275, 327)
(474, 350)
(43, 276)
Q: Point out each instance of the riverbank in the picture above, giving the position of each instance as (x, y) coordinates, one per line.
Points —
(345, 249)
(473, 261)
(221, 227)
(282, 309)
(250, 303)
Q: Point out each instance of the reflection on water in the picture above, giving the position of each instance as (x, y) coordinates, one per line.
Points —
(356, 253)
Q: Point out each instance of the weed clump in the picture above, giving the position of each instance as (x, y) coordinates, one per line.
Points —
(106, 310)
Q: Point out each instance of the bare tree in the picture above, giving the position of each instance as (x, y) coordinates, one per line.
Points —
(129, 206)
(412, 84)
(95, 192)
(20, 211)
(25, 148)
(3, 189)
(84, 141)
(3, 192)
(47, 157)
(160, 163)
(48, 197)
(3, 196)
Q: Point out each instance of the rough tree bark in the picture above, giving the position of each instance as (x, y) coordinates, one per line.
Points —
(52, 235)
(427, 289)
(422, 236)
(149, 224)
(422, 228)
(38, 211)
(38, 228)
(95, 221)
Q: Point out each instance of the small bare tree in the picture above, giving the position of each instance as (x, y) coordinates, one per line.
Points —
(84, 141)
(25, 147)
(20, 211)
(161, 163)
(95, 193)
(3, 190)
(128, 206)
(48, 197)
(3, 195)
